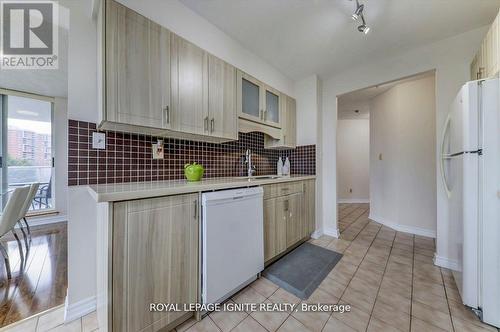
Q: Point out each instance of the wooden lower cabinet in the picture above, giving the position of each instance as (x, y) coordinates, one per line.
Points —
(288, 216)
(274, 229)
(155, 260)
(309, 206)
(294, 218)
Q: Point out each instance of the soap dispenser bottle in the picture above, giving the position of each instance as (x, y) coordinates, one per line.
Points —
(286, 167)
(279, 167)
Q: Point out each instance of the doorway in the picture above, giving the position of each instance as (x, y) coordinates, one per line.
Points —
(26, 146)
(386, 157)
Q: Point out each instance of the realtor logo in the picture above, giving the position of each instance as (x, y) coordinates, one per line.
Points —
(29, 34)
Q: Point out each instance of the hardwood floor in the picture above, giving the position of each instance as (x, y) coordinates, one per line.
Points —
(42, 282)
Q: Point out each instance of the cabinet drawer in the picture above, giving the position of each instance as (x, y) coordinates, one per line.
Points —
(282, 189)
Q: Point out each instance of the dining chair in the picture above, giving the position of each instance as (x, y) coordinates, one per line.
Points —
(24, 211)
(8, 220)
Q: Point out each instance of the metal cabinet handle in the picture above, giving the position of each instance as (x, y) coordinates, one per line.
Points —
(166, 110)
(212, 125)
(206, 123)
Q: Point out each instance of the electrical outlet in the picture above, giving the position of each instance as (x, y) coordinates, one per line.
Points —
(379, 156)
(157, 149)
(98, 141)
(350, 190)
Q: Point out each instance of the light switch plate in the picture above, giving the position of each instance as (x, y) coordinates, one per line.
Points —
(98, 141)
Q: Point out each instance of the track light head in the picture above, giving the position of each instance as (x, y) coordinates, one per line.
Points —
(363, 28)
(359, 11)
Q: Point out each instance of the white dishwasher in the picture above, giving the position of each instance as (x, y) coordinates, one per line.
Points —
(232, 241)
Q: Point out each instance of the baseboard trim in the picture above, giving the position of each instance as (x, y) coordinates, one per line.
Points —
(331, 232)
(79, 309)
(317, 234)
(404, 228)
(441, 261)
(353, 200)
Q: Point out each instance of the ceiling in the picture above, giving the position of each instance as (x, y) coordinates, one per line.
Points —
(359, 99)
(304, 37)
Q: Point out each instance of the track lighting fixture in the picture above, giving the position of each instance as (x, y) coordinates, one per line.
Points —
(359, 11)
(358, 14)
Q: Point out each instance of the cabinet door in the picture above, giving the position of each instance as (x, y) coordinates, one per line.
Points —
(189, 86)
(270, 245)
(290, 128)
(155, 259)
(294, 223)
(309, 207)
(221, 120)
(282, 206)
(494, 48)
(250, 99)
(137, 50)
(272, 114)
(474, 68)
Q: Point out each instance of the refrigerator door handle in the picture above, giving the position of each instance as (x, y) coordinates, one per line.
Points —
(445, 156)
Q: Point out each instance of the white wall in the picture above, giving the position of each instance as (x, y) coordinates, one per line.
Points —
(306, 94)
(403, 133)
(450, 58)
(61, 155)
(353, 155)
(82, 105)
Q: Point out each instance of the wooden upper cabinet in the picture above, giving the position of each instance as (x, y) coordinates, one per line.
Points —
(189, 81)
(486, 63)
(137, 62)
(250, 98)
(288, 139)
(221, 118)
(290, 129)
(271, 108)
(257, 101)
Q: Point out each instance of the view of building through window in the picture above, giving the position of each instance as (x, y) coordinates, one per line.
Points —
(29, 147)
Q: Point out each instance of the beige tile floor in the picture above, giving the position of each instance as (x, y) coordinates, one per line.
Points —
(53, 320)
(386, 276)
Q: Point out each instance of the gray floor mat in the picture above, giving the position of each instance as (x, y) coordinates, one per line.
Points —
(302, 270)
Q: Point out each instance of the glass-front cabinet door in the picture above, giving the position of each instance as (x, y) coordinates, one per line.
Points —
(272, 107)
(258, 102)
(251, 99)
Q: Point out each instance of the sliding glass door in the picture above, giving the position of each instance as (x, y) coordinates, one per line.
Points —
(27, 153)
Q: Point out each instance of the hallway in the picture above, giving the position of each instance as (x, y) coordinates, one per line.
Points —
(351, 218)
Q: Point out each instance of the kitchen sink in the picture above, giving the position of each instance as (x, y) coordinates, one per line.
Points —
(260, 177)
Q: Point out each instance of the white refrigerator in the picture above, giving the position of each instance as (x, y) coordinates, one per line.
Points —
(470, 167)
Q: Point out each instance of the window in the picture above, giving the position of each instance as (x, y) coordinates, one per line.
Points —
(26, 145)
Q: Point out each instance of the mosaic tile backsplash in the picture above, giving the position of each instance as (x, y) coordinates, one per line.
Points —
(128, 157)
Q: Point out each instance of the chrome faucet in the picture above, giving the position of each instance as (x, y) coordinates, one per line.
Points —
(248, 160)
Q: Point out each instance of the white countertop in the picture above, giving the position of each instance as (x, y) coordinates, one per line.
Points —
(136, 190)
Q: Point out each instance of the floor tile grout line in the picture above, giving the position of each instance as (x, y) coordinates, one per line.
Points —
(412, 280)
(350, 224)
(357, 268)
(355, 222)
(379, 286)
(447, 301)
